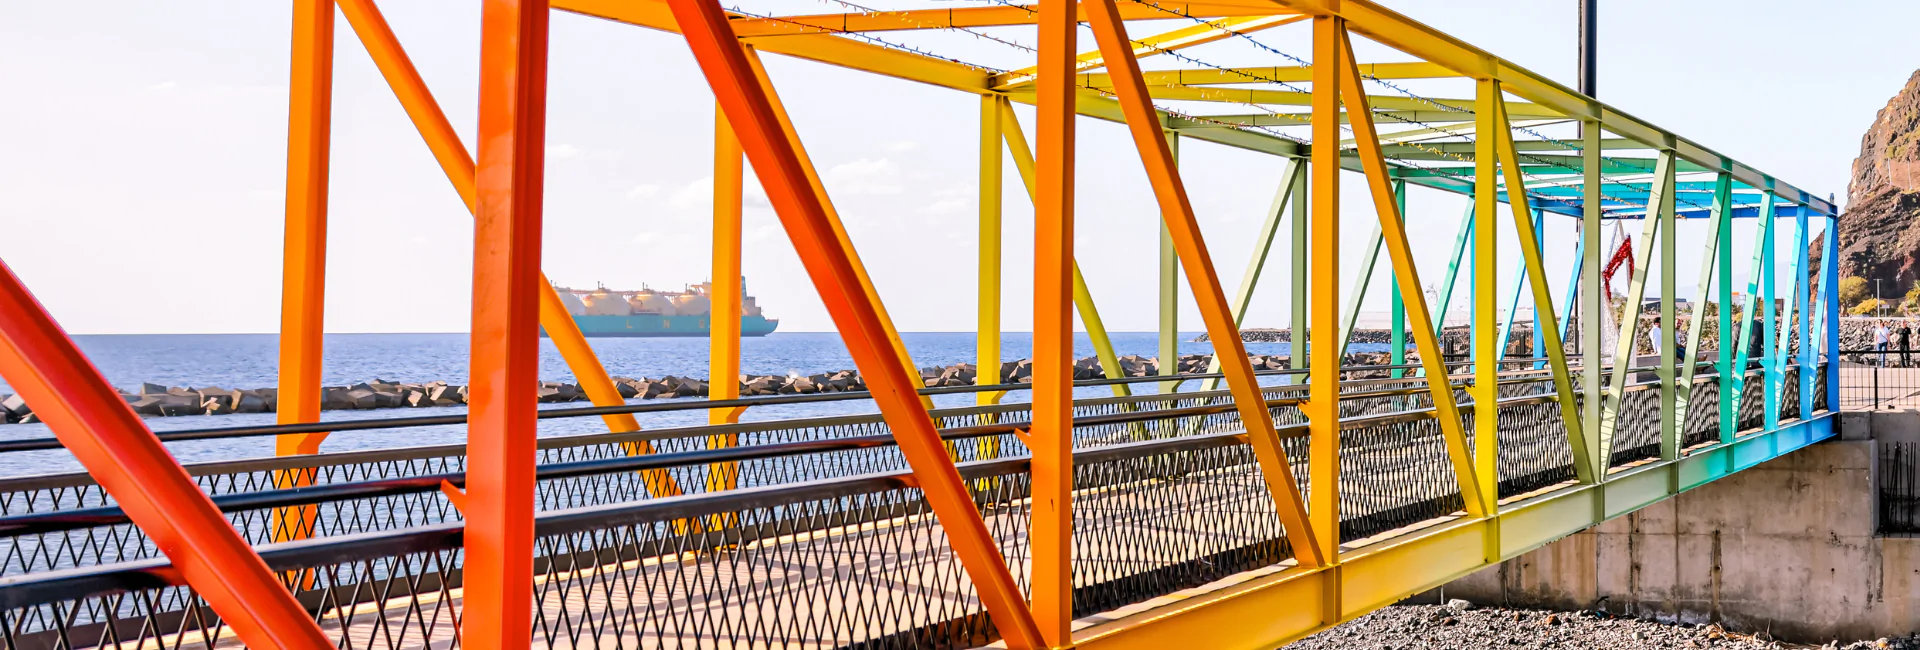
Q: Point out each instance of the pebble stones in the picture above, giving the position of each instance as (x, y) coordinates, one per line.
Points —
(1460, 624)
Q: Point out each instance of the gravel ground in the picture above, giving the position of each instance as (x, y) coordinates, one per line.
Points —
(1460, 626)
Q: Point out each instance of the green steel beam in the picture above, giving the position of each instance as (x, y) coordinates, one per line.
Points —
(1397, 313)
(1758, 266)
(1695, 322)
(1262, 245)
(1592, 300)
(1670, 386)
(1623, 354)
(1169, 294)
(1723, 221)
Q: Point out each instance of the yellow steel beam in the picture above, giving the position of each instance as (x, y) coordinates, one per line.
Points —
(1267, 74)
(1368, 18)
(1275, 607)
(1394, 236)
(1178, 39)
(987, 329)
(1536, 271)
(723, 339)
(967, 17)
(1486, 248)
(458, 165)
(1144, 125)
(1322, 409)
(1625, 342)
(1461, 107)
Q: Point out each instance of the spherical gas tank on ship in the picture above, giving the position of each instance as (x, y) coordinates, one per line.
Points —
(601, 303)
(692, 305)
(573, 304)
(652, 303)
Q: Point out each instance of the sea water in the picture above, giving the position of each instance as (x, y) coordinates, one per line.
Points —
(251, 361)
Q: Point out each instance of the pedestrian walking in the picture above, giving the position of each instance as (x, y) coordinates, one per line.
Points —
(1903, 339)
(1880, 335)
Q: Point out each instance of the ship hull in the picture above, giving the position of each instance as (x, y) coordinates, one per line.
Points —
(649, 325)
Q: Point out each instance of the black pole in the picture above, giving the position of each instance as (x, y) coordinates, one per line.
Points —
(1589, 36)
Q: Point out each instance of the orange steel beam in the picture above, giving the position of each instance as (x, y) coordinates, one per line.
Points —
(723, 333)
(775, 158)
(303, 274)
(1394, 236)
(833, 221)
(128, 461)
(1051, 438)
(1322, 409)
(454, 160)
(883, 21)
(1131, 92)
(497, 612)
(1177, 39)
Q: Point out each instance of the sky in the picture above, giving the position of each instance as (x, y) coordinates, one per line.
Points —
(143, 154)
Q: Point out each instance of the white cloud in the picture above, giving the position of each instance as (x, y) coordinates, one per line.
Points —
(163, 86)
(562, 151)
(902, 146)
(763, 232)
(645, 191)
(647, 237)
(864, 176)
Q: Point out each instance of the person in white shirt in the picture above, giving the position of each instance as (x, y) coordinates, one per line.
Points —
(1880, 335)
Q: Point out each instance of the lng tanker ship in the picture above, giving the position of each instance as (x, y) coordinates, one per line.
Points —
(647, 312)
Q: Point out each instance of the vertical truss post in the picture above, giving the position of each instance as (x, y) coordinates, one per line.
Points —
(497, 609)
(1400, 251)
(1250, 401)
(1539, 336)
(1592, 296)
(1169, 292)
(1051, 437)
(1768, 362)
(1322, 409)
(1723, 263)
(1537, 279)
(1802, 301)
(802, 210)
(1755, 268)
(1397, 308)
(987, 330)
(451, 153)
(303, 274)
(1298, 288)
(1623, 354)
(1670, 423)
(1486, 369)
(723, 338)
(130, 464)
(1082, 297)
(1830, 311)
(1262, 245)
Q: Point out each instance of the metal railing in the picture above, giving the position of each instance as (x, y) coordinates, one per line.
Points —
(821, 540)
(1879, 379)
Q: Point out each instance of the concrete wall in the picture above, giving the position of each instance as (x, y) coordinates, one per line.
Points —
(1788, 547)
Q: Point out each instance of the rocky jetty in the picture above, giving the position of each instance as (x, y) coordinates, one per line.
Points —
(1879, 232)
(1459, 624)
(158, 400)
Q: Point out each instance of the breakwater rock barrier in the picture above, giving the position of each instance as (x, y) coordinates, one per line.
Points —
(163, 401)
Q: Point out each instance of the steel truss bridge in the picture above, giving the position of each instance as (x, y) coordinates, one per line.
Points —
(1245, 507)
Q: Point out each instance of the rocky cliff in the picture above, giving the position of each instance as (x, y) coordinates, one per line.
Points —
(1880, 230)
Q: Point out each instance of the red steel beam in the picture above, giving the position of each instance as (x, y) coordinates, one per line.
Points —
(128, 461)
(303, 275)
(497, 613)
(1051, 438)
(749, 107)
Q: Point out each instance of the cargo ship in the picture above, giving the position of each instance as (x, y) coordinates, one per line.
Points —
(648, 312)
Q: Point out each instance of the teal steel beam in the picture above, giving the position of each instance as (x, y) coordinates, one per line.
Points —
(1696, 322)
(1363, 276)
(1803, 304)
(1262, 245)
(1539, 329)
(1830, 312)
(1723, 260)
(1769, 363)
(1398, 311)
(1513, 302)
(1573, 283)
(1756, 267)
